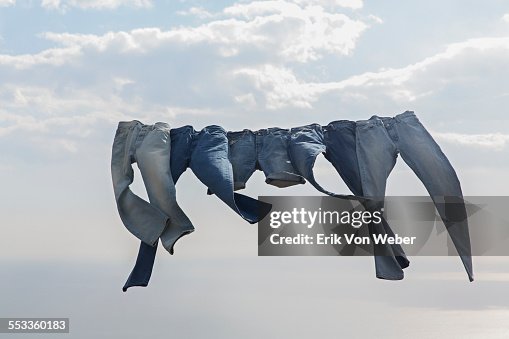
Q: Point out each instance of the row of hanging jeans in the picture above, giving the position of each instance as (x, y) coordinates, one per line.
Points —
(362, 152)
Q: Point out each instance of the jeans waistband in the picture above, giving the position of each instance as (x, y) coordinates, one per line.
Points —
(314, 126)
(335, 125)
(384, 121)
(272, 130)
(182, 129)
(124, 125)
(213, 128)
(128, 125)
(238, 134)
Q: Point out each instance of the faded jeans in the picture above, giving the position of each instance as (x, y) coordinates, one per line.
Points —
(149, 146)
(380, 140)
(341, 151)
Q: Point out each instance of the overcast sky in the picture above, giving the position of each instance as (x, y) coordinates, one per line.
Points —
(70, 70)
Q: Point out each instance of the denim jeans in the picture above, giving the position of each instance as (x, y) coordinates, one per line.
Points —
(341, 151)
(379, 141)
(306, 143)
(206, 153)
(149, 146)
(266, 150)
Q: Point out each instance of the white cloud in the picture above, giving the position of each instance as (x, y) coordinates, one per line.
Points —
(505, 17)
(198, 12)
(43, 110)
(278, 30)
(406, 84)
(7, 3)
(53, 56)
(247, 100)
(249, 55)
(353, 4)
(496, 141)
(305, 33)
(64, 5)
(280, 86)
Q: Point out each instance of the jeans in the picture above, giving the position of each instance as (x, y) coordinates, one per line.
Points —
(149, 146)
(206, 153)
(380, 140)
(341, 151)
(306, 143)
(266, 150)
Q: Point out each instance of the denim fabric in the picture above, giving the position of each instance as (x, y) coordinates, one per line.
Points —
(149, 146)
(265, 150)
(209, 161)
(206, 153)
(380, 140)
(242, 155)
(340, 142)
(306, 143)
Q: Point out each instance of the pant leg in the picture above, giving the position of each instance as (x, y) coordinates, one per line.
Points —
(142, 270)
(242, 155)
(169, 161)
(141, 218)
(273, 158)
(304, 146)
(153, 157)
(340, 138)
(376, 156)
(210, 163)
(423, 155)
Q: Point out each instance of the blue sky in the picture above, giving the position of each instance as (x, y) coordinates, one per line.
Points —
(70, 70)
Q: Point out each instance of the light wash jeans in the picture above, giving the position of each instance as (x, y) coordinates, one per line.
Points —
(149, 146)
(379, 141)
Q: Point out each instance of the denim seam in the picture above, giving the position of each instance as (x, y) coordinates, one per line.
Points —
(127, 151)
(362, 168)
(384, 129)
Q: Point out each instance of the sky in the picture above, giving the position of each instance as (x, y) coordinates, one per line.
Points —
(71, 70)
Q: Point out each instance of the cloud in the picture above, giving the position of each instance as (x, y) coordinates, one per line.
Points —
(505, 17)
(42, 109)
(7, 3)
(353, 4)
(462, 62)
(198, 12)
(52, 56)
(63, 5)
(308, 32)
(249, 57)
(277, 30)
(496, 141)
(280, 86)
(247, 100)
